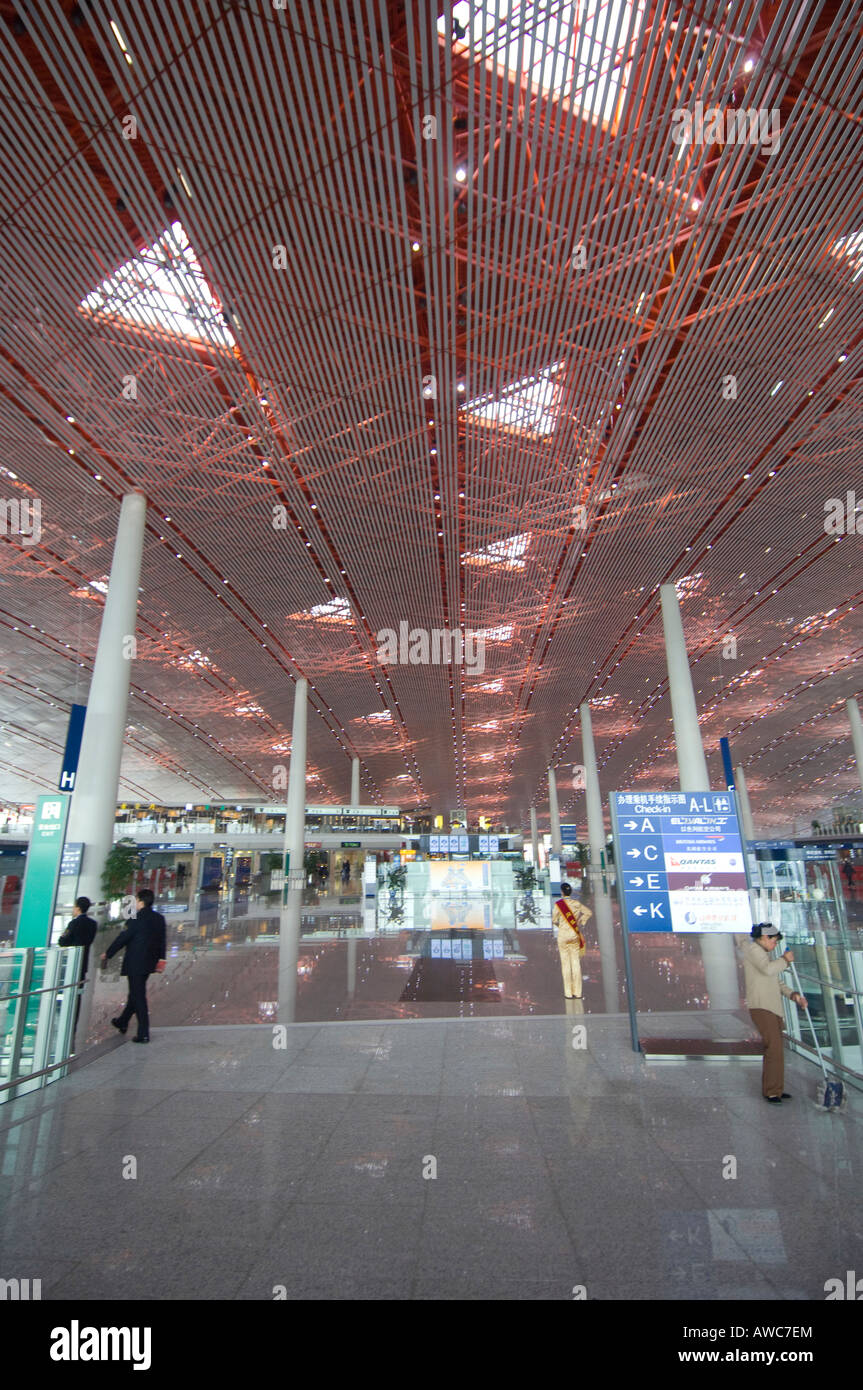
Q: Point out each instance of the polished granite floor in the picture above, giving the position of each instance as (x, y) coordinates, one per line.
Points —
(301, 1170)
(358, 966)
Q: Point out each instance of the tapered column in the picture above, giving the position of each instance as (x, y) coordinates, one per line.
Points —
(295, 827)
(595, 826)
(720, 966)
(691, 762)
(355, 781)
(534, 837)
(743, 804)
(352, 966)
(93, 811)
(602, 916)
(856, 735)
(554, 814)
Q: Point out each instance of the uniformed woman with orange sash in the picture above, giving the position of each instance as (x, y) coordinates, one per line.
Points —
(568, 916)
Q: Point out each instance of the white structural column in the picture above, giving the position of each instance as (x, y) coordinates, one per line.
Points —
(355, 781)
(534, 837)
(856, 735)
(691, 762)
(352, 966)
(554, 814)
(720, 966)
(747, 823)
(295, 827)
(93, 811)
(600, 901)
(595, 827)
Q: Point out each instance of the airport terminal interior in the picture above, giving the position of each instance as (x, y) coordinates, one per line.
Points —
(429, 550)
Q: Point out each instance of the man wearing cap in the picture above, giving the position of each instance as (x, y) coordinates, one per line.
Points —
(763, 997)
(567, 917)
(81, 931)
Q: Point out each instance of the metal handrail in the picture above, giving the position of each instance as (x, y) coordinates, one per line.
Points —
(836, 987)
(31, 1075)
(49, 989)
(829, 1061)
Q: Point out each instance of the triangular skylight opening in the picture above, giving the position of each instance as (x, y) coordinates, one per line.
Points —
(337, 610)
(530, 406)
(507, 554)
(163, 288)
(565, 49)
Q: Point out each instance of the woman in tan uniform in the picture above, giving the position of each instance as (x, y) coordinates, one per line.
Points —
(568, 916)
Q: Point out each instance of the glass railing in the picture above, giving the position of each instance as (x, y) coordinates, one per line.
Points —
(38, 997)
(801, 891)
(831, 975)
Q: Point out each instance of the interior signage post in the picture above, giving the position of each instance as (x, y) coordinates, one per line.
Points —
(41, 874)
(681, 867)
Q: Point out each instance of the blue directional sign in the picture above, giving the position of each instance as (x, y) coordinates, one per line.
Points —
(74, 735)
(680, 860)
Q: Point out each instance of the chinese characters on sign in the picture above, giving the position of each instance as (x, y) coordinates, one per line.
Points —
(681, 862)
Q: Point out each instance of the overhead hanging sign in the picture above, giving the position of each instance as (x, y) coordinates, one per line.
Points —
(72, 752)
(166, 846)
(680, 862)
(806, 850)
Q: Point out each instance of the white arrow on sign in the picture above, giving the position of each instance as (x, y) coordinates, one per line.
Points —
(630, 825)
(634, 853)
(640, 911)
(636, 882)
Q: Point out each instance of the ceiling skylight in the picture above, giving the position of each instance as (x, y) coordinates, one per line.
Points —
(530, 405)
(163, 288)
(580, 51)
(507, 554)
(195, 661)
(852, 247)
(338, 610)
(689, 584)
(252, 710)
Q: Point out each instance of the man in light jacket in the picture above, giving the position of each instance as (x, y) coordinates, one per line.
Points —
(763, 997)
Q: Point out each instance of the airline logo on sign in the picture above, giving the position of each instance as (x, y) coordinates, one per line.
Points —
(681, 861)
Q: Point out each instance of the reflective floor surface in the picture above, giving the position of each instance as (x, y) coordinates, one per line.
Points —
(358, 963)
(448, 1159)
(422, 956)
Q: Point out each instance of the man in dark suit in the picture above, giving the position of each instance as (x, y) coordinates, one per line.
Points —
(81, 931)
(144, 940)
